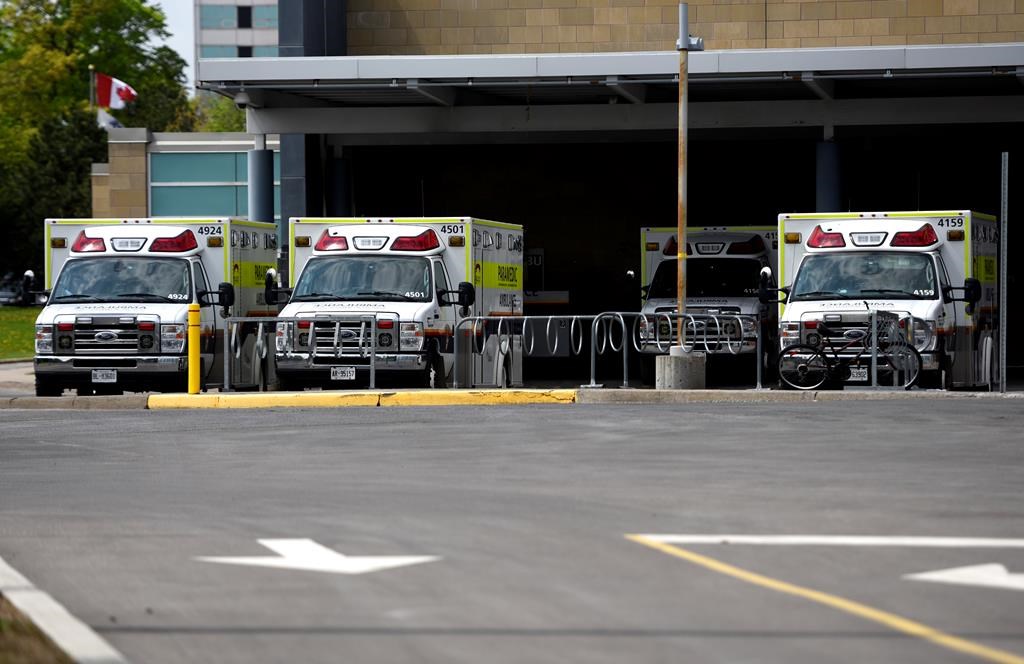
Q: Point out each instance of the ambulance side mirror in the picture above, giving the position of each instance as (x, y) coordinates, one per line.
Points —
(28, 284)
(467, 294)
(972, 290)
(764, 285)
(272, 294)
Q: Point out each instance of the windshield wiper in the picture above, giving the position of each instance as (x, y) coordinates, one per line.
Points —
(144, 296)
(380, 293)
(821, 293)
(316, 297)
(79, 296)
(896, 291)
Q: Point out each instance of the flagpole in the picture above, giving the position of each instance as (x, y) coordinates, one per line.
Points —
(92, 87)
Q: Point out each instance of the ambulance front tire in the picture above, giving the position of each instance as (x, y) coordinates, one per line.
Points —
(46, 387)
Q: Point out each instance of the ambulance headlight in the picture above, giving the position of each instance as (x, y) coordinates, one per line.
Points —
(44, 338)
(411, 337)
(924, 334)
(789, 333)
(283, 337)
(172, 338)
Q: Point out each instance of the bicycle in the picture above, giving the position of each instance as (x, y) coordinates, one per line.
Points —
(807, 367)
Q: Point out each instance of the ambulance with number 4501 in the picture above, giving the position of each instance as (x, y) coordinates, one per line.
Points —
(392, 293)
(937, 269)
(118, 293)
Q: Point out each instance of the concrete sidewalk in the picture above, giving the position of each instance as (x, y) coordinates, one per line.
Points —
(17, 385)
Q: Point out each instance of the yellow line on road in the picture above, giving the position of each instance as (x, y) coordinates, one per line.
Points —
(890, 620)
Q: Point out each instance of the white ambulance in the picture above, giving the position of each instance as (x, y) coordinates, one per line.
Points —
(394, 291)
(938, 269)
(723, 266)
(118, 292)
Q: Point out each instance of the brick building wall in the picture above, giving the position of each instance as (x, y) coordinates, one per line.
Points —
(435, 27)
(119, 187)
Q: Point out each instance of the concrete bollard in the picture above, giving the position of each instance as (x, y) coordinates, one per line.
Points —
(679, 370)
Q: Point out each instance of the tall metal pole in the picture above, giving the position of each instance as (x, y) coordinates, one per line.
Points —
(683, 44)
(1004, 213)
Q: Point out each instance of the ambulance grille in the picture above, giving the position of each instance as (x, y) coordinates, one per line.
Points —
(106, 335)
(324, 349)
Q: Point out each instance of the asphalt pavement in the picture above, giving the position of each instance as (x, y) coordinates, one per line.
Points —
(524, 516)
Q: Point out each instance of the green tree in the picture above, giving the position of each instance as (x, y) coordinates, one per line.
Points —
(48, 133)
(217, 113)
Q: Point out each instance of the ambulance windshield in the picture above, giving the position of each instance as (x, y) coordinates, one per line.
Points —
(709, 277)
(117, 279)
(365, 278)
(859, 275)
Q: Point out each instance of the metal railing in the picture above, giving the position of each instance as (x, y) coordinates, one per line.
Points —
(712, 333)
(365, 346)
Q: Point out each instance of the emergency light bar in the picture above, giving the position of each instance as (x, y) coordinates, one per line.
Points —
(922, 237)
(84, 243)
(821, 240)
(425, 241)
(328, 243)
(185, 241)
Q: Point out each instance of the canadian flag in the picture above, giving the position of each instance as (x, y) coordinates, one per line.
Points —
(112, 93)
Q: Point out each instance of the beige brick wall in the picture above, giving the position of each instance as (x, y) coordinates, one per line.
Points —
(123, 192)
(435, 27)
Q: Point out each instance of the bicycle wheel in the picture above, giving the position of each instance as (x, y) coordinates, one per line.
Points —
(803, 367)
(903, 366)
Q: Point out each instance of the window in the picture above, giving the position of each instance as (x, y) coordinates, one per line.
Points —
(210, 51)
(440, 279)
(264, 16)
(217, 17)
(203, 184)
(245, 51)
(245, 17)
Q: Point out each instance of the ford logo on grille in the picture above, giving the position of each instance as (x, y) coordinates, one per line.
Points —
(855, 334)
(349, 334)
(106, 335)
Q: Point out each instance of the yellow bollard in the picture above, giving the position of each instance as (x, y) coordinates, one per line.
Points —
(194, 363)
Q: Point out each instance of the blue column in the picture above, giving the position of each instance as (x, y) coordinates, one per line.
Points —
(827, 178)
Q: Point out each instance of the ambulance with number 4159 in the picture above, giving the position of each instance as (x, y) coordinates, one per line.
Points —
(937, 269)
(117, 298)
(393, 293)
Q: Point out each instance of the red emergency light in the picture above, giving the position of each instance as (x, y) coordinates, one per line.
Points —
(328, 243)
(425, 241)
(185, 241)
(84, 243)
(821, 240)
(754, 245)
(922, 237)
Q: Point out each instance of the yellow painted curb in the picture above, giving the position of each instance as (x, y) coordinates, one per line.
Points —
(476, 397)
(360, 398)
(264, 400)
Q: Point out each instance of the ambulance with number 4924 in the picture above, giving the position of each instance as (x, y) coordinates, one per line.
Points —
(117, 298)
(393, 293)
(938, 269)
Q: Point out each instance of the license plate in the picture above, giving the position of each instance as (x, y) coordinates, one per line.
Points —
(104, 375)
(343, 373)
(859, 374)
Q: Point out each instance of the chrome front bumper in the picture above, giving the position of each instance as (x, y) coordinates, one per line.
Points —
(384, 362)
(69, 365)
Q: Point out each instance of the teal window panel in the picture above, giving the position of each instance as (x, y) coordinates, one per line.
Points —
(264, 51)
(218, 17)
(242, 201)
(241, 167)
(194, 201)
(277, 201)
(264, 16)
(218, 51)
(277, 167)
(195, 167)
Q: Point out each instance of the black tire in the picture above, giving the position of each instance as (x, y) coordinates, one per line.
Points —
(47, 388)
(803, 367)
(902, 362)
(437, 366)
(289, 384)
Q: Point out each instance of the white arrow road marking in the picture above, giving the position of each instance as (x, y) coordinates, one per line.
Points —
(305, 554)
(992, 575)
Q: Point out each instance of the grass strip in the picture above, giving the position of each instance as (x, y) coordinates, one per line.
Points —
(21, 642)
(17, 332)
